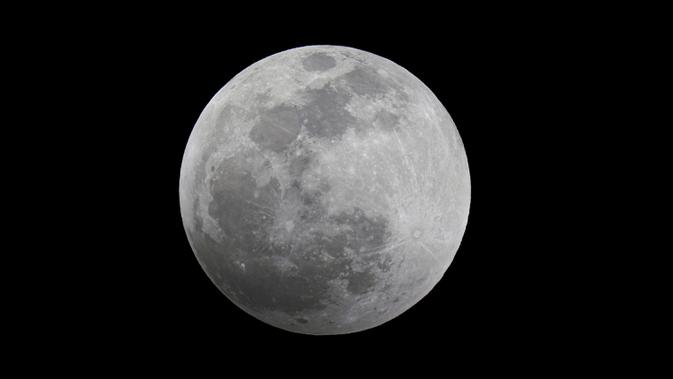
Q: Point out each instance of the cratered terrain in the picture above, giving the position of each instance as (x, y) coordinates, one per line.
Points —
(324, 190)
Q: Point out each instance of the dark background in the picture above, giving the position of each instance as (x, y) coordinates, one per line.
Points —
(535, 100)
(503, 282)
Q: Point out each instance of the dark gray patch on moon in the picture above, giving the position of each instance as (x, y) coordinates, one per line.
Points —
(266, 287)
(247, 220)
(361, 282)
(225, 114)
(318, 62)
(301, 161)
(365, 81)
(248, 267)
(241, 215)
(277, 128)
(364, 231)
(387, 120)
(325, 115)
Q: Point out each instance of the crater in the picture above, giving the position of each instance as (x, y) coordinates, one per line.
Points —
(318, 62)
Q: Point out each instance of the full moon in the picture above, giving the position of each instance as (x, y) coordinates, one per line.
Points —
(324, 190)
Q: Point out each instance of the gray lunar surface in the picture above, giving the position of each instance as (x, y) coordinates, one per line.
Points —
(324, 190)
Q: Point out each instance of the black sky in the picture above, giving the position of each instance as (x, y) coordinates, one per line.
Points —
(534, 100)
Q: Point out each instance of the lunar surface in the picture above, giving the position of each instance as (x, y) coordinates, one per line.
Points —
(324, 190)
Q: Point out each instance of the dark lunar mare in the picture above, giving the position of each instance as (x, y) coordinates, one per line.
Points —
(277, 129)
(318, 62)
(365, 81)
(244, 265)
(324, 115)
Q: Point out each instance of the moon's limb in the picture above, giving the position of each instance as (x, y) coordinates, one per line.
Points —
(324, 190)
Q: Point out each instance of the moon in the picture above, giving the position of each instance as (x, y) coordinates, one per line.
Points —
(324, 190)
